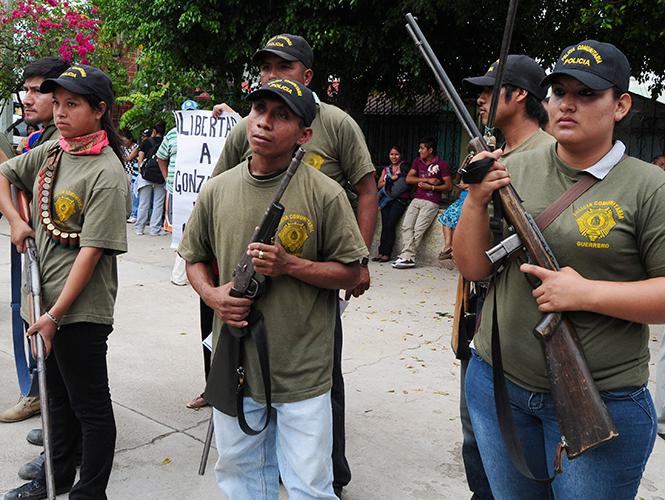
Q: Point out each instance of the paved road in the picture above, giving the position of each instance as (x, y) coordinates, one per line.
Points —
(404, 438)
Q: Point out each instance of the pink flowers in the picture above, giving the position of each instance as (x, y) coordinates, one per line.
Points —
(50, 25)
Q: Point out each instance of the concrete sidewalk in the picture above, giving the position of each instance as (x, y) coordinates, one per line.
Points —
(402, 383)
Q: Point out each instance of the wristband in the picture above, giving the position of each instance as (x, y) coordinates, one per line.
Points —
(53, 318)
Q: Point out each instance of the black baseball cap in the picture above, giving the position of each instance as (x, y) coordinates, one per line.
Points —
(289, 47)
(521, 71)
(82, 79)
(598, 65)
(294, 94)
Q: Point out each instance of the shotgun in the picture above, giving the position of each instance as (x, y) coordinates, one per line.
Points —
(35, 311)
(583, 418)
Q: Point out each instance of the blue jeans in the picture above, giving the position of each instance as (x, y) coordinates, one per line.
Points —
(296, 445)
(473, 465)
(612, 470)
(157, 193)
(135, 198)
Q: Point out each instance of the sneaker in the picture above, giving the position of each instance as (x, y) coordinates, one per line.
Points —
(180, 283)
(34, 469)
(139, 232)
(36, 437)
(131, 220)
(26, 407)
(160, 233)
(404, 264)
(34, 490)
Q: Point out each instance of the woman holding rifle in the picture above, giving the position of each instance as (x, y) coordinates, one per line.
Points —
(610, 243)
(80, 201)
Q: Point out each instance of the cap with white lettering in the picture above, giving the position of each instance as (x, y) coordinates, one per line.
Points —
(294, 94)
(597, 65)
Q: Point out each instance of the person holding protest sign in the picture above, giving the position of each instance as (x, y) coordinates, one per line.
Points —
(166, 157)
(338, 150)
(79, 228)
(316, 251)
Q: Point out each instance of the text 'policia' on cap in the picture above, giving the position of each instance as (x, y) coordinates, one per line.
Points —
(295, 95)
(521, 72)
(597, 65)
(82, 79)
(289, 47)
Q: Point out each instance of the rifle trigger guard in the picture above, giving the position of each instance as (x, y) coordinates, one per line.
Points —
(254, 290)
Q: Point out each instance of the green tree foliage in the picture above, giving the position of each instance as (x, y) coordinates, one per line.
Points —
(36, 28)
(364, 42)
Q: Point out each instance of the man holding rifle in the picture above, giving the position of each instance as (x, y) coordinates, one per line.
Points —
(317, 250)
(38, 111)
(520, 116)
(338, 150)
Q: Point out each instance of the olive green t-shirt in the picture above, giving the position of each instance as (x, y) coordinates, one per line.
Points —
(6, 147)
(91, 195)
(613, 232)
(318, 224)
(538, 139)
(337, 147)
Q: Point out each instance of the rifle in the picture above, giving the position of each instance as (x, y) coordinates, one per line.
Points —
(37, 343)
(583, 418)
(244, 282)
(246, 285)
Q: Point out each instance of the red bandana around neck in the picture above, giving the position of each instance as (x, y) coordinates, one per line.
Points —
(91, 144)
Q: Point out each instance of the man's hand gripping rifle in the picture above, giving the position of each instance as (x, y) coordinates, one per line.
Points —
(245, 283)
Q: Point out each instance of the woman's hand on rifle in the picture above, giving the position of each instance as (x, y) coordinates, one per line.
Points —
(45, 327)
(20, 230)
(497, 177)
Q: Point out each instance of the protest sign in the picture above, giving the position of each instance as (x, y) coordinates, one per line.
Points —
(200, 141)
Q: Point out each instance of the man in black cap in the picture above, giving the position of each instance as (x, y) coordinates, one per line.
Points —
(337, 149)
(37, 111)
(316, 251)
(520, 114)
(521, 117)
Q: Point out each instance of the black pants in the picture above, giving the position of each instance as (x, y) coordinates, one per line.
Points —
(206, 315)
(341, 469)
(390, 215)
(80, 405)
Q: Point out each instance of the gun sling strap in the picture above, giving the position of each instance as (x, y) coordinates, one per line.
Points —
(502, 403)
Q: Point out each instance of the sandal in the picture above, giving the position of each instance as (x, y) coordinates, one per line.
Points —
(445, 254)
(197, 403)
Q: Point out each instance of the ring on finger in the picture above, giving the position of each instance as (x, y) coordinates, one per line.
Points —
(260, 254)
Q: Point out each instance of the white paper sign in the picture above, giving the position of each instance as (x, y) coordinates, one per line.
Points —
(200, 141)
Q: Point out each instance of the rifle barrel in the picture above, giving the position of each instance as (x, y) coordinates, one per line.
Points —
(458, 106)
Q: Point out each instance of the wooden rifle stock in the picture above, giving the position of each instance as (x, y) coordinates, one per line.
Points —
(583, 417)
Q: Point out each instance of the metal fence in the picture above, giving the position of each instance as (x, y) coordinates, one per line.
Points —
(404, 131)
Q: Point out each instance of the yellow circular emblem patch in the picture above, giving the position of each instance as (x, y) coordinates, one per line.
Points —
(65, 207)
(596, 223)
(293, 236)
